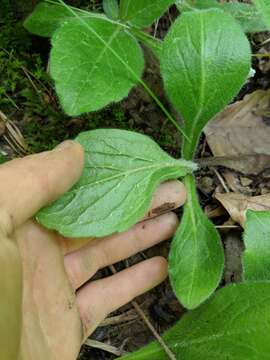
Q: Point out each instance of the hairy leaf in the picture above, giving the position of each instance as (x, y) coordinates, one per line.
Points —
(142, 13)
(264, 7)
(111, 8)
(256, 259)
(196, 258)
(234, 324)
(94, 62)
(122, 170)
(46, 18)
(246, 14)
(205, 61)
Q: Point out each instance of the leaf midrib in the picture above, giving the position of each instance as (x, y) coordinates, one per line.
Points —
(129, 173)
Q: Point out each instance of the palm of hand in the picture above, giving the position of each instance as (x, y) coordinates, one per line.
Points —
(60, 307)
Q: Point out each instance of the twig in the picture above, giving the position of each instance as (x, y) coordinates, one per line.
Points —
(220, 178)
(261, 55)
(148, 324)
(227, 226)
(30, 80)
(106, 347)
(15, 139)
(114, 320)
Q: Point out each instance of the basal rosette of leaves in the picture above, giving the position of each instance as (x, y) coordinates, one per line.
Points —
(205, 59)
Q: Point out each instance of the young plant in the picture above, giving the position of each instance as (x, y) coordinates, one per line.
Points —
(205, 59)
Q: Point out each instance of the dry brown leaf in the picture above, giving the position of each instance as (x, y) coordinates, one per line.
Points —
(238, 204)
(242, 131)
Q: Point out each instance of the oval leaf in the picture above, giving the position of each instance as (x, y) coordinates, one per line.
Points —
(256, 259)
(142, 13)
(93, 62)
(196, 258)
(122, 170)
(234, 324)
(46, 18)
(246, 14)
(264, 7)
(205, 61)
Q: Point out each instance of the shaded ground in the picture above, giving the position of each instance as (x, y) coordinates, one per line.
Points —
(27, 97)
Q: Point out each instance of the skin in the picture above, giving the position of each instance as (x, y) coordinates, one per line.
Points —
(48, 306)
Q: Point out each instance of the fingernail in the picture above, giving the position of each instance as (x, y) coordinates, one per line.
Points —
(64, 145)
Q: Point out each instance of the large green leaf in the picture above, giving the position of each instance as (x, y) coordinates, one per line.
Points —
(264, 7)
(122, 170)
(46, 18)
(142, 13)
(94, 62)
(256, 259)
(205, 61)
(232, 325)
(247, 15)
(196, 258)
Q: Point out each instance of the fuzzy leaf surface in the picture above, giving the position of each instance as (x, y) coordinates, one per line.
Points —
(256, 258)
(142, 13)
(205, 61)
(247, 15)
(93, 63)
(46, 18)
(196, 258)
(122, 170)
(234, 324)
(264, 7)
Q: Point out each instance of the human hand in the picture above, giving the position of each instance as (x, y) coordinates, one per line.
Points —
(60, 307)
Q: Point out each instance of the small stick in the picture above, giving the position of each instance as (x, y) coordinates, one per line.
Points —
(130, 316)
(148, 324)
(227, 226)
(220, 178)
(105, 347)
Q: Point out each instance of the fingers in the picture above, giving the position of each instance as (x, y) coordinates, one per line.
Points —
(81, 265)
(30, 183)
(169, 196)
(98, 298)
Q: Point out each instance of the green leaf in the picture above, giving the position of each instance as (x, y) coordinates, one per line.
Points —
(122, 170)
(142, 13)
(190, 5)
(205, 61)
(233, 325)
(264, 7)
(46, 18)
(246, 14)
(111, 8)
(196, 258)
(94, 62)
(256, 258)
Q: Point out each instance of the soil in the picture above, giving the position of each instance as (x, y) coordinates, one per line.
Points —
(39, 117)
